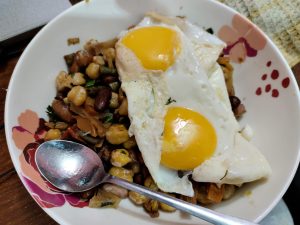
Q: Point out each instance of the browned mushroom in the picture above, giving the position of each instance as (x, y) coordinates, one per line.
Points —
(62, 110)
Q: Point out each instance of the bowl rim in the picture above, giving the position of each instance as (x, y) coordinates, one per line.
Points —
(216, 4)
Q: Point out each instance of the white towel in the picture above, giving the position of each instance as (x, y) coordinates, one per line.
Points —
(279, 19)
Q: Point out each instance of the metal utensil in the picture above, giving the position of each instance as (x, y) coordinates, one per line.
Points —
(73, 167)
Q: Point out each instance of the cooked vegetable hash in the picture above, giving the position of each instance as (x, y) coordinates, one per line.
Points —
(91, 108)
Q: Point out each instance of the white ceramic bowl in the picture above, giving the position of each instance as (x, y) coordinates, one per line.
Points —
(262, 80)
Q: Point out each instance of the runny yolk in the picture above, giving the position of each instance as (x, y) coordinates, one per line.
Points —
(188, 139)
(156, 47)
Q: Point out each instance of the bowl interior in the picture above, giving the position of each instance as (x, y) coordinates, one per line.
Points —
(274, 120)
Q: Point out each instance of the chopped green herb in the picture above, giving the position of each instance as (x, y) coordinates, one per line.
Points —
(51, 114)
(224, 175)
(170, 100)
(210, 30)
(108, 118)
(90, 83)
(152, 91)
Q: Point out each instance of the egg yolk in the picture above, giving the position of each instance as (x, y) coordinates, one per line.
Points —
(156, 47)
(188, 139)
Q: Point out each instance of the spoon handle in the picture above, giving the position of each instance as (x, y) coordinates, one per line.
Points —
(197, 211)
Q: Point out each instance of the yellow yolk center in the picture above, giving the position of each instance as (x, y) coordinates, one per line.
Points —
(188, 139)
(156, 47)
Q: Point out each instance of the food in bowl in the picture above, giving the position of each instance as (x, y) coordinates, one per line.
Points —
(157, 104)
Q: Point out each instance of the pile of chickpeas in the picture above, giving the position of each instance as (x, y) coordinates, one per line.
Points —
(91, 108)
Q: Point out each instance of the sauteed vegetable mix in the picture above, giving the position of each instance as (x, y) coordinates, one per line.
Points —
(90, 107)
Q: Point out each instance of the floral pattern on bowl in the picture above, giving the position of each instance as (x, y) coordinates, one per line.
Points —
(243, 39)
(27, 137)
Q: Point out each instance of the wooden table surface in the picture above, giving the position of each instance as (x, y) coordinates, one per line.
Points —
(16, 205)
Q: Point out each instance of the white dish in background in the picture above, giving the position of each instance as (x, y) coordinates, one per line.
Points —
(274, 118)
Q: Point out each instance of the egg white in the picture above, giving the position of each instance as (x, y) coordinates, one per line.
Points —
(242, 162)
(196, 82)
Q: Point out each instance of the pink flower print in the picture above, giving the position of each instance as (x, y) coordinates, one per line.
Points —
(243, 39)
(52, 199)
(26, 131)
(45, 194)
(28, 135)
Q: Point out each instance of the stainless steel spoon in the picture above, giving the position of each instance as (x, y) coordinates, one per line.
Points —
(73, 167)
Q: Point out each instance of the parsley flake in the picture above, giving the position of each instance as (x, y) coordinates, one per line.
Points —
(210, 30)
(51, 114)
(90, 83)
(108, 118)
(224, 175)
(170, 100)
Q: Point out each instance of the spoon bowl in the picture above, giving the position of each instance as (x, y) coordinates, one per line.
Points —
(73, 167)
(69, 166)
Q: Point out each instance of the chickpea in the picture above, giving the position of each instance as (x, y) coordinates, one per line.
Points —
(151, 206)
(130, 143)
(114, 102)
(117, 134)
(99, 60)
(121, 173)
(63, 80)
(78, 79)
(149, 183)
(137, 198)
(52, 134)
(93, 70)
(109, 55)
(120, 157)
(123, 109)
(166, 207)
(66, 100)
(77, 95)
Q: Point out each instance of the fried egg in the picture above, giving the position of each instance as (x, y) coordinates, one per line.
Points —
(179, 108)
